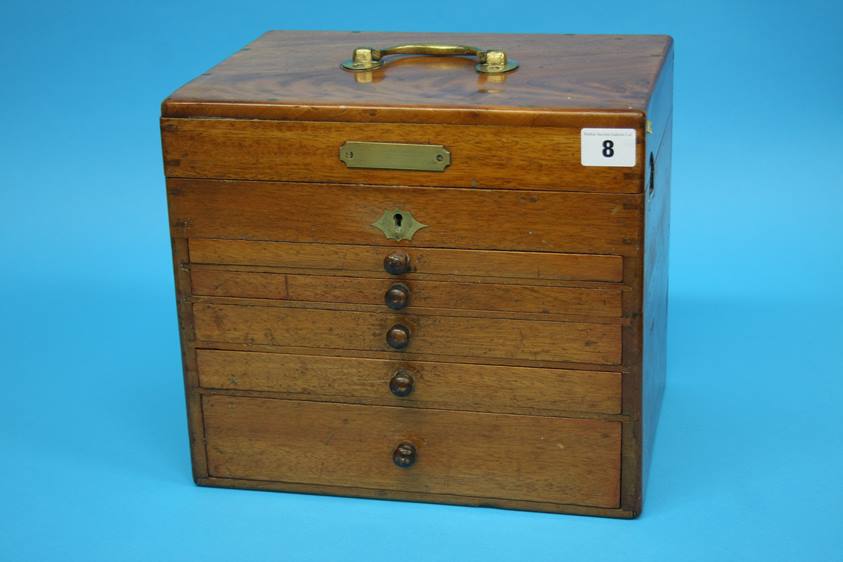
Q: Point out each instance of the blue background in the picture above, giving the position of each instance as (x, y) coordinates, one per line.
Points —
(94, 458)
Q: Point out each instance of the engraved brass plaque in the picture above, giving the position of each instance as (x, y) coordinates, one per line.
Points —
(395, 156)
(398, 225)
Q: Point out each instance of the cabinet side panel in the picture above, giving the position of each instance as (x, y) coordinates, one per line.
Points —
(656, 244)
(196, 429)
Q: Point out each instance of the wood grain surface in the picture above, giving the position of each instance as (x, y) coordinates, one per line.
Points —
(520, 158)
(398, 495)
(297, 75)
(424, 262)
(436, 385)
(656, 265)
(423, 294)
(195, 422)
(489, 338)
(456, 218)
(463, 453)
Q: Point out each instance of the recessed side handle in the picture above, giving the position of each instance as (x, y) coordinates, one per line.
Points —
(489, 61)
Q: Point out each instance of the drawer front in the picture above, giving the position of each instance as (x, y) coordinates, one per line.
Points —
(563, 460)
(423, 261)
(417, 383)
(417, 294)
(493, 157)
(489, 338)
(591, 223)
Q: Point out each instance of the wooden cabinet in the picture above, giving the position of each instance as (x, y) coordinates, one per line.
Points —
(473, 311)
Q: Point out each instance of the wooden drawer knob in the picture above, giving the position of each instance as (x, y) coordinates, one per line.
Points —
(398, 296)
(404, 455)
(401, 383)
(397, 263)
(398, 337)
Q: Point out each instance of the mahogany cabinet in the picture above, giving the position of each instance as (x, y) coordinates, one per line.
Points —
(412, 269)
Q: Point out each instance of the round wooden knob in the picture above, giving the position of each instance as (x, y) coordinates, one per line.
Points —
(404, 455)
(398, 296)
(401, 383)
(397, 263)
(398, 337)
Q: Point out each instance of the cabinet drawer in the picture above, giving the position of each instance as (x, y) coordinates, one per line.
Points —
(603, 302)
(414, 383)
(348, 258)
(489, 338)
(563, 460)
(543, 221)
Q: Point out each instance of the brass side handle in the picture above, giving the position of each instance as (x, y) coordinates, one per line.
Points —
(489, 61)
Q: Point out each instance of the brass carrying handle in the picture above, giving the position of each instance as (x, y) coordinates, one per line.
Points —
(488, 61)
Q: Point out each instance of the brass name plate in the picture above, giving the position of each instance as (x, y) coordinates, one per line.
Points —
(395, 156)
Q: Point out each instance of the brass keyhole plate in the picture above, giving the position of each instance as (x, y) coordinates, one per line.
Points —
(397, 224)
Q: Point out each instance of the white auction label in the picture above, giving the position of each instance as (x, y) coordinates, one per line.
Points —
(607, 147)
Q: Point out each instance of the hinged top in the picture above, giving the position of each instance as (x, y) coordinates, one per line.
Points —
(298, 75)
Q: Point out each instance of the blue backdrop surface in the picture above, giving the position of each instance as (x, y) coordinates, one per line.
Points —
(94, 459)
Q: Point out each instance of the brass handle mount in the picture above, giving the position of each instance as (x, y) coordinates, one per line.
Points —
(489, 61)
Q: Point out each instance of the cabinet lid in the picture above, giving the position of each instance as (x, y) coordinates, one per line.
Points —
(296, 75)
